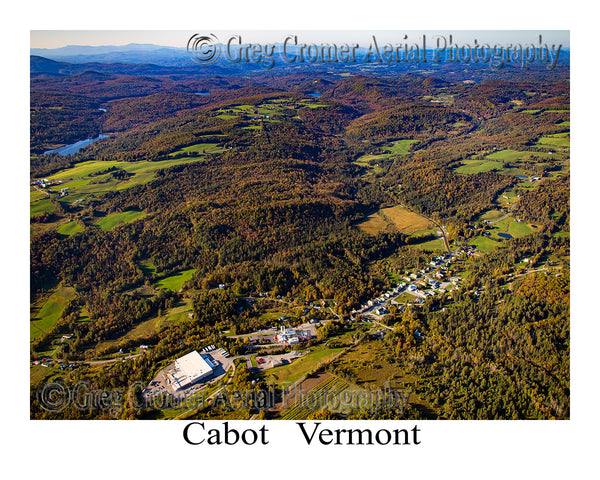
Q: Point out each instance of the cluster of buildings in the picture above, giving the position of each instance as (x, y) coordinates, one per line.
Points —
(382, 298)
(429, 277)
(290, 336)
(44, 183)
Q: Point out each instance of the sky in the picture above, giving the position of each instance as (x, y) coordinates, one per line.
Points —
(172, 38)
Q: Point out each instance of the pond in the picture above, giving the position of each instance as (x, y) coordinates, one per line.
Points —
(315, 94)
(521, 176)
(75, 147)
(505, 235)
(202, 93)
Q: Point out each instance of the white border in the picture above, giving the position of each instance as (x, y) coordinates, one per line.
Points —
(468, 449)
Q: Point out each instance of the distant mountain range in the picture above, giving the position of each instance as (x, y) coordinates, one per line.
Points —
(149, 59)
(131, 53)
(141, 53)
(41, 66)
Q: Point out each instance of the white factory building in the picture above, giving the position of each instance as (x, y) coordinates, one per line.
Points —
(189, 369)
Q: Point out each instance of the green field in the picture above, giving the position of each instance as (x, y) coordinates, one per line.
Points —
(512, 227)
(178, 313)
(507, 197)
(485, 244)
(225, 116)
(431, 245)
(41, 206)
(311, 103)
(507, 155)
(175, 282)
(70, 228)
(50, 312)
(147, 268)
(35, 195)
(111, 221)
(83, 178)
(477, 166)
(509, 225)
(562, 234)
(492, 215)
(84, 169)
(556, 140)
(400, 147)
(301, 366)
(198, 149)
(507, 162)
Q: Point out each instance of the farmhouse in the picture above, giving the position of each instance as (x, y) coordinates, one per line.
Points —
(190, 369)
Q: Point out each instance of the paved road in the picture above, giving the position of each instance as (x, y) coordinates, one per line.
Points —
(101, 362)
(500, 219)
(41, 190)
(436, 224)
(512, 207)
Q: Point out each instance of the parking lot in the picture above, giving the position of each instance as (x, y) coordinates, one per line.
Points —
(265, 362)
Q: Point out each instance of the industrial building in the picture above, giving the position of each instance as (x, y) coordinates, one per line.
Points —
(292, 336)
(189, 369)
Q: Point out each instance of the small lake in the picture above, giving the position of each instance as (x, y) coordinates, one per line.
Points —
(202, 93)
(75, 147)
(505, 235)
(521, 176)
(315, 94)
(102, 110)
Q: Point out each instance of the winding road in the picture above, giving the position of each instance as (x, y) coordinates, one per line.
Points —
(436, 224)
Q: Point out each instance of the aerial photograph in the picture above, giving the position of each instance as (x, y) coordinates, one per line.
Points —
(299, 225)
